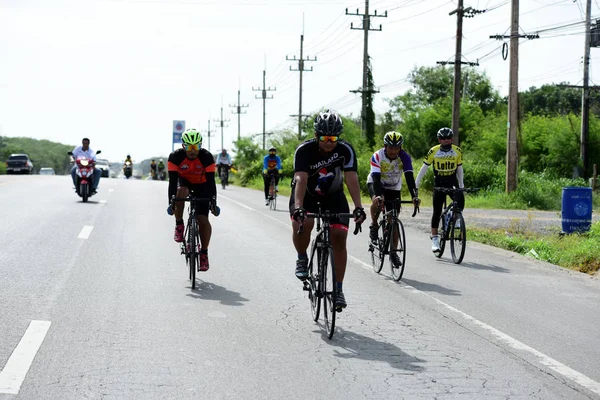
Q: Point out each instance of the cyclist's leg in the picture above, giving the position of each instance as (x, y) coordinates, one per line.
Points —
(267, 182)
(339, 235)
(301, 241)
(438, 204)
(374, 212)
(182, 192)
(276, 173)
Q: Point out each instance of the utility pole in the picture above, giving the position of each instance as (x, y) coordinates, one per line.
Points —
(239, 112)
(264, 98)
(222, 124)
(585, 97)
(366, 27)
(512, 150)
(208, 134)
(300, 68)
(460, 12)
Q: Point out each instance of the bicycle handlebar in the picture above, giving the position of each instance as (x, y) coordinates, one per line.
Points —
(211, 202)
(416, 210)
(328, 216)
(453, 190)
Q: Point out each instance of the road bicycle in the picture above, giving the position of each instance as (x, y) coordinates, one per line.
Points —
(452, 226)
(190, 247)
(272, 193)
(390, 229)
(321, 283)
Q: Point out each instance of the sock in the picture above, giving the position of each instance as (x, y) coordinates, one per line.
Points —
(339, 285)
(180, 222)
(203, 251)
(303, 255)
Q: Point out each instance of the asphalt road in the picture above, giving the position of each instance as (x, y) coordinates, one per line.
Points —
(95, 303)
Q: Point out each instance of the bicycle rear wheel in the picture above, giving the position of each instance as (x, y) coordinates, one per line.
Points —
(399, 250)
(330, 290)
(458, 238)
(193, 250)
(442, 233)
(314, 291)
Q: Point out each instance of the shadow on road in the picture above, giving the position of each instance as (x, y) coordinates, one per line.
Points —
(483, 267)
(211, 291)
(367, 348)
(431, 287)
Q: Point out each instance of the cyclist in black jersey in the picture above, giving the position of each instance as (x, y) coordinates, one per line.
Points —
(321, 165)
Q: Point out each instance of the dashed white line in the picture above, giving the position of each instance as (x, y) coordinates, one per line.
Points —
(237, 202)
(85, 232)
(15, 370)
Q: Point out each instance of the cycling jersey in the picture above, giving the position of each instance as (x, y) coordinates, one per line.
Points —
(193, 171)
(272, 163)
(445, 164)
(325, 170)
(391, 170)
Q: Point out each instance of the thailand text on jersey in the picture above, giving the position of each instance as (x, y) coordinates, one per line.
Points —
(391, 170)
(325, 170)
(193, 171)
(444, 163)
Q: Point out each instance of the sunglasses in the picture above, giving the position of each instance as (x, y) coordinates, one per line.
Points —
(326, 139)
(191, 147)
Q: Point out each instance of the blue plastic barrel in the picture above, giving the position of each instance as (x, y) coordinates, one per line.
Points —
(576, 209)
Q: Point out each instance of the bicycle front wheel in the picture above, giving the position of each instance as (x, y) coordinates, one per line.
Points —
(377, 252)
(442, 234)
(458, 238)
(192, 250)
(330, 290)
(399, 251)
(314, 290)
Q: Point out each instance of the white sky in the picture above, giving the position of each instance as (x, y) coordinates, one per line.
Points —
(120, 71)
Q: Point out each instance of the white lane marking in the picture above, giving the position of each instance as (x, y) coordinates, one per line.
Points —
(102, 202)
(543, 359)
(112, 190)
(85, 232)
(238, 203)
(15, 370)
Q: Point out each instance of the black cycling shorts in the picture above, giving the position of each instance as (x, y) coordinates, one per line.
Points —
(197, 190)
(388, 194)
(334, 203)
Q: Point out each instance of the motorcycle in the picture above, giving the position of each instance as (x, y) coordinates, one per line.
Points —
(85, 174)
(128, 169)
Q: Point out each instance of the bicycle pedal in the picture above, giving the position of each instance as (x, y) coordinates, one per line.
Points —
(306, 287)
(339, 309)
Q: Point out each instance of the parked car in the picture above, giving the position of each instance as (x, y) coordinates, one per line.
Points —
(19, 164)
(47, 171)
(104, 165)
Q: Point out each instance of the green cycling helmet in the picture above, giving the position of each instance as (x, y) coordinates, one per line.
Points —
(191, 136)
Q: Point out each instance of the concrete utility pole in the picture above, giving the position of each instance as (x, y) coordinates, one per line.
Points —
(300, 68)
(460, 13)
(239, 112)
(222, 124)
(512, 151)
(585, 97)
(208, 134)
(366, 27)
(264, 98)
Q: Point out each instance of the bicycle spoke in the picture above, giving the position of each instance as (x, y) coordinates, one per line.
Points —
(458, 239)
(399, 250)
(329, 285)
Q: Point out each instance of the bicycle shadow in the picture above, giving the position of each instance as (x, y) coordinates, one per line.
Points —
(367, 348)
(431, 287)
(211, 291)
(472, 265)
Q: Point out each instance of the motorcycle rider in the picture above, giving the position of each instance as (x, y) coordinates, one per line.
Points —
(126, 165)
(85, 151)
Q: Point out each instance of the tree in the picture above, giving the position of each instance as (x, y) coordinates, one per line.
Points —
(370, 114)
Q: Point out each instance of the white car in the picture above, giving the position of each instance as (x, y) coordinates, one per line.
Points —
(47, 171)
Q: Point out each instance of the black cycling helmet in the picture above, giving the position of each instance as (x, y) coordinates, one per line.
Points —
(445, 133)
(272, 149)
(328, 122)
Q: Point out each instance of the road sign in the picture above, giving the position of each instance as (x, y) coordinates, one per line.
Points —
(178, 126)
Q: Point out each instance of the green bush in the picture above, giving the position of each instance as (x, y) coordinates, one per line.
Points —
(542, 190)
(485, 175)
(2, 167)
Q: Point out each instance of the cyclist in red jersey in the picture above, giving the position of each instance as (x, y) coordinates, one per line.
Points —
(192, 170)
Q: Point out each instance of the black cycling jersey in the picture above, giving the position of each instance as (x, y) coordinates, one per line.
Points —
(325, 170)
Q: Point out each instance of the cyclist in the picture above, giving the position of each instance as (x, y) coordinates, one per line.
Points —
(85, 151)
(385, 180)
(271, 166)
(224, 161)
(448, 172)
(192, 170)
(161, 168)
(321, 165)
(153, 170)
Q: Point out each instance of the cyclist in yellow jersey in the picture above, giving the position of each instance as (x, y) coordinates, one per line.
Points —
(446, 159)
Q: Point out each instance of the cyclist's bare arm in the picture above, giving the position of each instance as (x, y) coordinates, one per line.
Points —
(301, 179)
